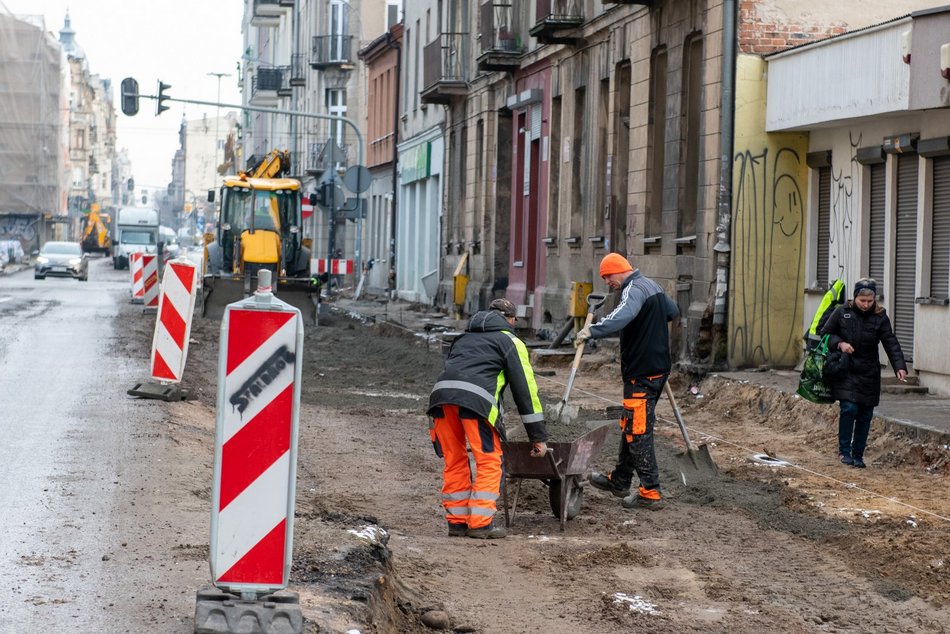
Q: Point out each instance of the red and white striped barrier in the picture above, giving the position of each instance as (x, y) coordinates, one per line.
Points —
(138, 283)
(334, 266)
(176, 305)
(255, 450)
(150, 279)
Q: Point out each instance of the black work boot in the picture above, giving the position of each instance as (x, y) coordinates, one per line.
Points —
(457, 530)
(603, 482)
(492, 531)
(637, 501)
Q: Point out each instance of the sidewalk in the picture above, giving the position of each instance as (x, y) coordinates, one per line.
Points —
(922, 417)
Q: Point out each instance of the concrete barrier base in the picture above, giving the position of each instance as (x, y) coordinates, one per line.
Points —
(218, 612)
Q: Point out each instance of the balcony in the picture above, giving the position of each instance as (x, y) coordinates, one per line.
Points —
(443, 77)
(327, 155)
(558, 21)
(285, 89)
(264, 88)
(267, 13)
(501, 47)
(332, 51)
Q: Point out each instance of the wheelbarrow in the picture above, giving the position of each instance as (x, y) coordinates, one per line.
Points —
(561, 468)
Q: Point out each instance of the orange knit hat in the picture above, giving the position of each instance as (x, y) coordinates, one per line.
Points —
(614, 263)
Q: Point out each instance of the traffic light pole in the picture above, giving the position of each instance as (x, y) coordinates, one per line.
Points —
(357, 259)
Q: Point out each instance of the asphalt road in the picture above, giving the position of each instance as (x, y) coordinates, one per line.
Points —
(75, 552)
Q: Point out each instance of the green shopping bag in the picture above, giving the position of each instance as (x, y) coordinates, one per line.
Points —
(811, 383)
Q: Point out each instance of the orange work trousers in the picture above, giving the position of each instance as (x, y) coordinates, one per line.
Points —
(469, 500)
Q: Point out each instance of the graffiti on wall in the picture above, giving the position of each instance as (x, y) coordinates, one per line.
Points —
(767, 262)
(843, 214)
(22, 228)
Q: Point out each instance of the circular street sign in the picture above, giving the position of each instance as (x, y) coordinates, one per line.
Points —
(357, 179)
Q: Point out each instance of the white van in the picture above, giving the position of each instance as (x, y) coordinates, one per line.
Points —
(136, 232)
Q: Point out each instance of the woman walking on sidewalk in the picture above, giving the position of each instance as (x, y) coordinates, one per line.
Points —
(856, 328)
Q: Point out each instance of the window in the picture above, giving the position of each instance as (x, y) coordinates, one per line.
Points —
(940, 245)
(393, 13)
(691, 167)
(577, 164)
(824, 226)
(336, 106)
(878, 173)
(339, 28)
(555, 167)
(657, 121)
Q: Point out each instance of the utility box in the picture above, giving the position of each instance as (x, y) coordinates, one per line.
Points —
(579, 293)
(460, 286)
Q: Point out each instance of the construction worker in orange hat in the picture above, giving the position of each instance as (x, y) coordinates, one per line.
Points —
(641, 318)
(465, 405)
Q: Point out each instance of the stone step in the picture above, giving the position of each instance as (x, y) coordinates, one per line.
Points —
(901, 388)
(912, 379)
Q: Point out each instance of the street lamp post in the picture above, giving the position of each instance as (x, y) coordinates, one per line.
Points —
(217, 121)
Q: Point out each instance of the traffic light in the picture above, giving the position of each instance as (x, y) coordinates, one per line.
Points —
(323, 195)
(130, 96)
(162, 97)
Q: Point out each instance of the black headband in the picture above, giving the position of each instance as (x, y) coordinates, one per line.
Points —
(865, 286)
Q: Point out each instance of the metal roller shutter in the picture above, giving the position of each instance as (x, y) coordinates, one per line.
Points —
(824, 225)
(876, 232)
(905, 273)
(940, 260)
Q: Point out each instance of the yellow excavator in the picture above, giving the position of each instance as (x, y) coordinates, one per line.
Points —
(259, 227)
(95, 235)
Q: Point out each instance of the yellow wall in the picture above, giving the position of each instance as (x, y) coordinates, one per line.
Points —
(769, 202)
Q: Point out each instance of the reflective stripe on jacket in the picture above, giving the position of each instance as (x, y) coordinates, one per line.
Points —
(481, 364)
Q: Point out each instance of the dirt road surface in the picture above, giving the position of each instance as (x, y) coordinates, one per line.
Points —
(809, 547)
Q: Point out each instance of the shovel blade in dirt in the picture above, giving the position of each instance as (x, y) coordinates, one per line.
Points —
(695, 464)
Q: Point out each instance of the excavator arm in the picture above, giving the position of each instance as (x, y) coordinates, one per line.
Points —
(274, 165)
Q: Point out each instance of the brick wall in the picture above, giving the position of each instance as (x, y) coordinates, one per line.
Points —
(767, 35)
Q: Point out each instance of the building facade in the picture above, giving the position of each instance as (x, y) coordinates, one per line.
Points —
(302, 56)
(383, 58)
(876, 189)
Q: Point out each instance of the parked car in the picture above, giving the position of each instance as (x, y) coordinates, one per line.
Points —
(61, 259)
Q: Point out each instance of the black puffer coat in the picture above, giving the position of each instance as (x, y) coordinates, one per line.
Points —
(863, 330)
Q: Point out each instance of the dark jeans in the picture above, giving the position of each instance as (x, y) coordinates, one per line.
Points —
(637, 453)
(853, 428)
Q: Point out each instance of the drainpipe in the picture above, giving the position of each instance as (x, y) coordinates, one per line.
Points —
(726, 134)
(391, 43)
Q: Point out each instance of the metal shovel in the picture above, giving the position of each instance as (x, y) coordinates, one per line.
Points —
(695, 464)
(594, 301)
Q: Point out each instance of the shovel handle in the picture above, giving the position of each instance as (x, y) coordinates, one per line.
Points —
(580, 349)
(676, 413)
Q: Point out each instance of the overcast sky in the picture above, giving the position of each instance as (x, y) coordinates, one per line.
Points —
(177, 41)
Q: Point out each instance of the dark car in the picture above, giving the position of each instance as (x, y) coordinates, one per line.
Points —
(61, 259)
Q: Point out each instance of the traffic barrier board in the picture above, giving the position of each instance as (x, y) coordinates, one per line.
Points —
(176, 306)
(138, 283)
(255, 452)
(150, 280)
(334, 266)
